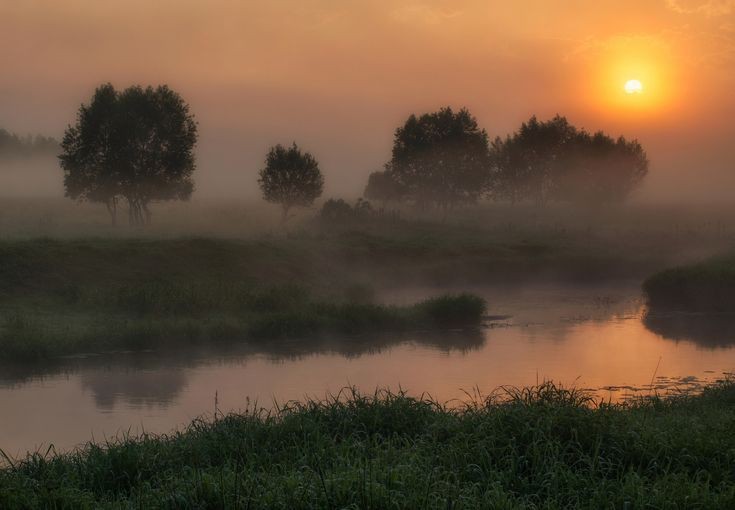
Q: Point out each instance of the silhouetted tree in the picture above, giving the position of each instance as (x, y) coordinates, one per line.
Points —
(553, 160)
(136, 145)
(383, 187)
(441, 158)
(528, 161)
(290, 178)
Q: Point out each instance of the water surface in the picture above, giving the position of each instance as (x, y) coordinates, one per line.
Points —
(599, 338)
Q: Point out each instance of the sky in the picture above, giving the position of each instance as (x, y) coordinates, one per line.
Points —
(338, 77)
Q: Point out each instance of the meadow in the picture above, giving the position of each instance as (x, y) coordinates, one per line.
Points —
(89, 312)
(70, 283)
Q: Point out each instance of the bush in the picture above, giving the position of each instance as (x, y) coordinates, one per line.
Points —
(337, 210)
(705, 287)
(453, 311)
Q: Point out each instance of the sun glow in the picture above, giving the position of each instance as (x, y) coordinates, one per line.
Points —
(632, 78)
(633, 87)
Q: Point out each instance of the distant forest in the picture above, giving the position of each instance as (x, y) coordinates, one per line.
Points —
(14, 146)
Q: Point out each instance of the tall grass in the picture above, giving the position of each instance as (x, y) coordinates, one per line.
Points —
(706, 286)
(164, 314)
(542, 447)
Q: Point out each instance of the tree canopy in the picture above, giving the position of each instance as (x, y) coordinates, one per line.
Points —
(553, 160)
(290, 178)
(383, 187)
(136, 144)
(440, 158)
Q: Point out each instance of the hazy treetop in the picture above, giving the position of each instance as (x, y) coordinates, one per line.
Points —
(13, 146)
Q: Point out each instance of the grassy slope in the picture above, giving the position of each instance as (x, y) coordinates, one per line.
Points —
(706, 286)
(541, 448)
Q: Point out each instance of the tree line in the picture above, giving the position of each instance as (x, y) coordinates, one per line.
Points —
(136, 146)
(14, 146)
(443, 159)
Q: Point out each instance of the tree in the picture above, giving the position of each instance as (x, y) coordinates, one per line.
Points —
(383, 187)
(601, 169)
(441, 158)
(290, 178)
(136, 145)
(335, 210)
(553, 160)
(527, 162)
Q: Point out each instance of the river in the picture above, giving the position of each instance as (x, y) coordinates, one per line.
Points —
(592, 337)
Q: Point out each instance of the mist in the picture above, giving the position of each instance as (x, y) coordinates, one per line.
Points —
(256, 75)
(367, 254)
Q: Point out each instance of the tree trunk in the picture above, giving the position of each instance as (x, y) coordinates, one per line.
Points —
(135, 214)
(148, 213)
(131, 213)
(112, 209)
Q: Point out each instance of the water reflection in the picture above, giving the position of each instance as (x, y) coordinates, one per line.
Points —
(588, 337)
(711, 331)
(156, 377)
(138, 388)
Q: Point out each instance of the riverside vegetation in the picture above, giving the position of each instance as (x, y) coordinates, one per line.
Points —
(80, 296)
(68, 294)
(539, 447)
(707, 286)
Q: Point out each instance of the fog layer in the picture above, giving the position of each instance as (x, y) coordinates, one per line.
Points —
(340, 77)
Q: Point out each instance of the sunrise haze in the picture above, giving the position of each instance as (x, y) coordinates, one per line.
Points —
(339, 77)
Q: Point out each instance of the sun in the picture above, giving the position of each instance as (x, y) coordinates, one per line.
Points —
(633, 87)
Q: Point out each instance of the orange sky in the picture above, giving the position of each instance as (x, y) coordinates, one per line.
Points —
(339, 76)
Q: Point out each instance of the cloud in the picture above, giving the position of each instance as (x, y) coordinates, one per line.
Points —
(706, 7)
(432, 13)
(592, 48)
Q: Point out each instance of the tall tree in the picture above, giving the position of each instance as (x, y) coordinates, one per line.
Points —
(290, 178)
(441, 158)
(136, 145)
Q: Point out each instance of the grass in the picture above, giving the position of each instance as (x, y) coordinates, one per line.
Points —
(68, 295)
(161, 315)
(61, 297)
(65, 296)
(707, 286)
(540, 447)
